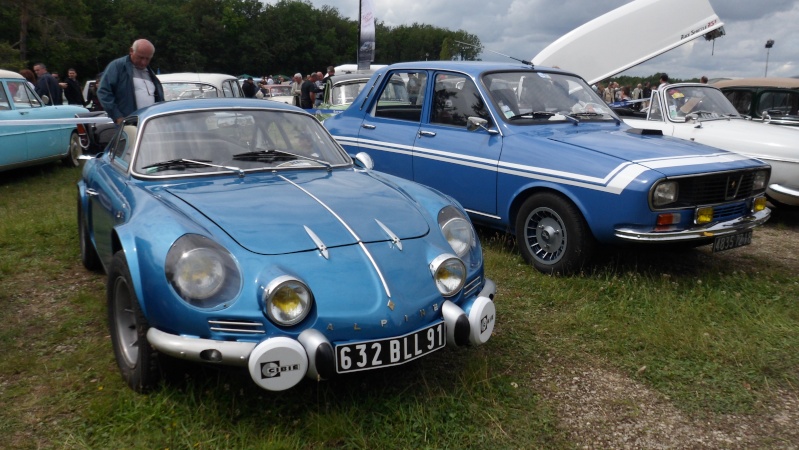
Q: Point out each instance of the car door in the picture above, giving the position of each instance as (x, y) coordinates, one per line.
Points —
(390, 129)
(42, 141)
(107, 204)
(449, 157)
(13, 139)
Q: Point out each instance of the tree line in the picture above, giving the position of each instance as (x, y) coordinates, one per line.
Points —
(225, 36)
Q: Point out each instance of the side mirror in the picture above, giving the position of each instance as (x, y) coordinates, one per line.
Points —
(364, 161)
(45, 99)
(473, 123)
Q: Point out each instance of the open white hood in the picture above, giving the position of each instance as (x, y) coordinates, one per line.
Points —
(630, 35)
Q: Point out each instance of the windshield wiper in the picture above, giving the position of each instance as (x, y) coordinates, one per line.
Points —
(183, 163)
(271, 154)
(533, 114)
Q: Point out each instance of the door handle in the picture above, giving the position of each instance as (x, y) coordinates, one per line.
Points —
(91, 192)
(368, 127)
(426, 133)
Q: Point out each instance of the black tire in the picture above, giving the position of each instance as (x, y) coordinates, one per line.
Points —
(88, 254)
(137, 360)
(73, 152)
(552, 235)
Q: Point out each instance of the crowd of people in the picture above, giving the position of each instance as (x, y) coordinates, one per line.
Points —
(307, 91)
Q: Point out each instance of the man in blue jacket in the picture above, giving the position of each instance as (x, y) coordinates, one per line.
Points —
(128, 83)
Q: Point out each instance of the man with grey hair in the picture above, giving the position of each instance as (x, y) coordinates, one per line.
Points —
(129, 84)
(296, 85)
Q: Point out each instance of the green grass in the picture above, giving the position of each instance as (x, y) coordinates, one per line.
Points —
(712, 336)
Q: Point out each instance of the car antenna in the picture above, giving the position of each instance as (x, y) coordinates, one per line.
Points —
(498, 53)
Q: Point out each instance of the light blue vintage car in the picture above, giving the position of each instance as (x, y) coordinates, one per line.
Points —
(536, 152)
(28, 145)
(238, 232)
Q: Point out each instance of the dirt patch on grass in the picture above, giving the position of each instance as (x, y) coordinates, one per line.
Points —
(599, 407)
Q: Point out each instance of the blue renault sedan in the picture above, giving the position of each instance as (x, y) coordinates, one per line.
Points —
(536, 152)
(238, 232)
(26, 145)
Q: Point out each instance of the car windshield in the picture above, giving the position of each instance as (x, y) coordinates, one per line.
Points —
(183, 91)
(202, 142)
(345, 93)
(537, 97)
(276, 91)
(704, 101)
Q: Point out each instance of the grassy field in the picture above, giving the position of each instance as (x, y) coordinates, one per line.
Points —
(713, 334)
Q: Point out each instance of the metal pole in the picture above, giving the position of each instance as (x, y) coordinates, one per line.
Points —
(768, 50)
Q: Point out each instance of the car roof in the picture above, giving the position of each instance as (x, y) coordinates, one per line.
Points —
(474, 68)
(759, 82)
(10, 74)
(350, 76)
(227, 103)
(193, 77)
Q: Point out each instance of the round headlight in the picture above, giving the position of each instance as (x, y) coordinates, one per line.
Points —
(457, 230)
(287, 300)
(449, 274)
(201, 271)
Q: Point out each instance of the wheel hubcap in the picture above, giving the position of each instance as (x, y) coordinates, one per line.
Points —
(546, 235)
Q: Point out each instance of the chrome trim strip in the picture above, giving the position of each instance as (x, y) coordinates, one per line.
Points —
(351, 231)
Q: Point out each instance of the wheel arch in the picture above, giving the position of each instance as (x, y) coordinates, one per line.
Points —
(523, 194)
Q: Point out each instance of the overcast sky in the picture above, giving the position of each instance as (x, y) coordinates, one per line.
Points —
(522, 28)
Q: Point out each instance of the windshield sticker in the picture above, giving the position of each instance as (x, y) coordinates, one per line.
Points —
(506, 110)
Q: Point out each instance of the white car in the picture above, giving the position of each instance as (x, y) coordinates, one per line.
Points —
(185, 85)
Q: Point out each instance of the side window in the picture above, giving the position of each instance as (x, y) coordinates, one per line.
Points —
(655, 113)
(394, 101)
(122, 148)
(227, 90)
(742, 101)
(771, 100)
(22, 96)
(455, 99)
(3, 99)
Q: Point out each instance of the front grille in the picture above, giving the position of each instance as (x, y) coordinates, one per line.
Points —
(729, 211)
(715, 189)
(471, 287)
(236, 326)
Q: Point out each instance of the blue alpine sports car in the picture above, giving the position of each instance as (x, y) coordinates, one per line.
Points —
(238, 232)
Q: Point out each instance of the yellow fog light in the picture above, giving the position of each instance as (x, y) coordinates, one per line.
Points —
(287, 300)
(760, 204)
(704, 215)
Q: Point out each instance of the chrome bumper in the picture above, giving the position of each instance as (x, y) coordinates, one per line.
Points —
(697, 232)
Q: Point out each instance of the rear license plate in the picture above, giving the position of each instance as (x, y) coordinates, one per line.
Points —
(731, 241)
(390, 351)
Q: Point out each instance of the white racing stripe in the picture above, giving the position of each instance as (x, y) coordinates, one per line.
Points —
(614, 182)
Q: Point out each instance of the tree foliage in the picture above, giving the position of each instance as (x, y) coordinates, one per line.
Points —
(226, 36)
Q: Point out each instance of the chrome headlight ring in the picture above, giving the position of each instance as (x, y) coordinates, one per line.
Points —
(202, 272)
(458, 231)
(287, 300)
(449, 274)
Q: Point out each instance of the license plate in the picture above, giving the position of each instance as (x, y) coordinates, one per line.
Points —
(390, 351)
(731, 241)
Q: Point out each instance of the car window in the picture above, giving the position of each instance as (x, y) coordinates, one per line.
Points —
(4, 104)
(394, 102)
(345, 93)
(22, 96)
(215, 140)
(741, 100)
(227, 89)
(122, 148)
(184, 91)
(455, 99)
(782, 101)
(655, 113)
